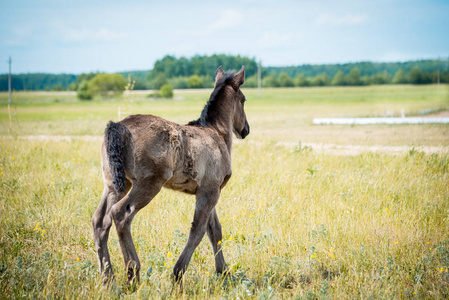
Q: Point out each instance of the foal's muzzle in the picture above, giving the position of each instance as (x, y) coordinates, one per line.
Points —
(245, 130)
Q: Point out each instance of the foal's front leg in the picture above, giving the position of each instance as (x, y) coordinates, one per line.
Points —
(205, 203)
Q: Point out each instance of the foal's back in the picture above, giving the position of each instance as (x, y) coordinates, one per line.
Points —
(186, 156)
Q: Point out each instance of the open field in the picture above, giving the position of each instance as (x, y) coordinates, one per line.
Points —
(280, 114)
(300, 218)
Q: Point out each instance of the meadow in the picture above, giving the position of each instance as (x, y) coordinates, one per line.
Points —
(299, 220)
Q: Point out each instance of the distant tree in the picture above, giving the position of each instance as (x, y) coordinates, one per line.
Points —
(365, 80)
(251, 81)
(415, 75)
(179, 82)
(339, 79)
(173, 67)
(207, 81)
(380, 78)
(85, 77)
(83, 91)
(353, 78)
(399, 77)
(444, 77)
(158, 81)
(285, 80)
(301, 80)
(57, 87)
(72, 86)
(270, 81)
(419, 77)
(139, 84)
(424, 71)
(106, 84)
(166, 91)
(194, 81)
(321, 80)
(426, 78)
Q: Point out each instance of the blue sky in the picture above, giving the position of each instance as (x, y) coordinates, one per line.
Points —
(59, 36)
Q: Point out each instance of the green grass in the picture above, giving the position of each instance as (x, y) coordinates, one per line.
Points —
(280, 114)
(297, 223)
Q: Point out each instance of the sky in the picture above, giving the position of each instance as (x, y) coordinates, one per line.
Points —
(64, 36)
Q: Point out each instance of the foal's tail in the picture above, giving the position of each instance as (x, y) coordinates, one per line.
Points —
(117, 138)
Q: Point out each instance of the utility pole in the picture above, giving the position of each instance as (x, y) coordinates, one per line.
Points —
(438, 72)
(259, 77)
(9, 93)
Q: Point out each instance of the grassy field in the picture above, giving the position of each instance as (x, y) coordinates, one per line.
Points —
(297, 222)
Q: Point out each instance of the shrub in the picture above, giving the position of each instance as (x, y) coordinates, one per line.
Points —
(285, 80)
(105, 84)
(194, 81)
(83, 92)
(301, 80)
(166, 91)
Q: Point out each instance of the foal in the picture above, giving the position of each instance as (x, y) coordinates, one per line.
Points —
(143, 153)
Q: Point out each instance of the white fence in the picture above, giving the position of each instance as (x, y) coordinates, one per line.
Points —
(369, 121)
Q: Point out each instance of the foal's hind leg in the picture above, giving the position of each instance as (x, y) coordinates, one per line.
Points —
(215, 237)
(123, 213)
(101, 224)
(205, 202)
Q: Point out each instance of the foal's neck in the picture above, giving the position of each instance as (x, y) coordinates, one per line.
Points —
(223, 124)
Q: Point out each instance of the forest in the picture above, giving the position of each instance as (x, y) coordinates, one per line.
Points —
(198, 72)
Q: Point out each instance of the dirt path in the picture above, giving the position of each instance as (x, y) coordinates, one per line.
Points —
(67, 138)
(334, 149)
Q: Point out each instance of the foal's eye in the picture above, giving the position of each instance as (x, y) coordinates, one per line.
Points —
(243, 99)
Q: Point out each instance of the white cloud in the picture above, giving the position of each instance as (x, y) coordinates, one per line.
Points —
(229, 19)
(19, 36)
(82, 35)
(331, 19)
(275, 39)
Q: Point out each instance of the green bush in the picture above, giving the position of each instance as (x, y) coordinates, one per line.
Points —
(106, 84)
(270, 81)
(179, 82)
(399, 77)
(301, 80)
(285, 80)
(339, 79)
(166, 91)
(251, 81)
(84, 92)
(194, 81)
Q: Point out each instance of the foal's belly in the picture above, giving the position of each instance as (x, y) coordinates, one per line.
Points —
(182, 184)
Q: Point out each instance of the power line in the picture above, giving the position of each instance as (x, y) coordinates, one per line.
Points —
(9, 93)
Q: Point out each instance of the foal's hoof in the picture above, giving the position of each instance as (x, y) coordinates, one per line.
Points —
(177, 282)
(132, 285)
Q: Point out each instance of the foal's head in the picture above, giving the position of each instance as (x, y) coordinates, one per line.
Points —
(234, 95)
(226, 104)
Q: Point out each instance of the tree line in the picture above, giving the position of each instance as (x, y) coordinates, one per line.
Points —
(352, 78)
(198, 72)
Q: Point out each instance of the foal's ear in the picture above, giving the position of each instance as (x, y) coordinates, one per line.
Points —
(239, 78)
(219, 74)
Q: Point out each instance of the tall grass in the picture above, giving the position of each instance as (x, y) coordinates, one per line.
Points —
(296, 223)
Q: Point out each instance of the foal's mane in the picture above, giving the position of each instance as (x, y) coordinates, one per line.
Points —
(210, 111)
